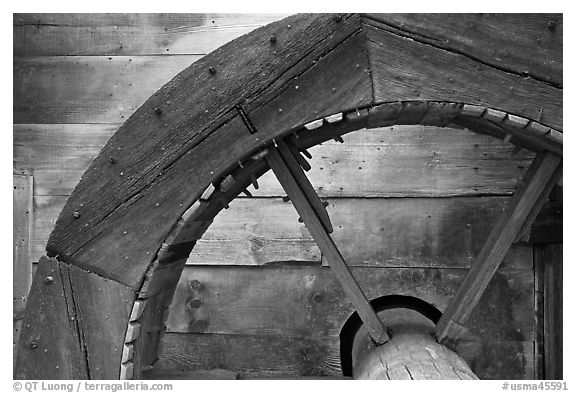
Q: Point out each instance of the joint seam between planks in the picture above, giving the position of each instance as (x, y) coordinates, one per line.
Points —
(400, 30)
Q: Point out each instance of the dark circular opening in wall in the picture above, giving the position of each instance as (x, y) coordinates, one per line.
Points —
(390, 302)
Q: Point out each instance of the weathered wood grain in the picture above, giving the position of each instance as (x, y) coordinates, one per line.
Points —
(396, 161)
(539, 355)
(412, 355)
(410, 161)
(88, 89)
(307, 301)
(102, 308)
(204, 179)
(511, 359)
(412, 69)
(109, 197)
(22, 218)
(74, 326)
(152, 324)
(537, 209)
(369, 232)
(255, 232)
(58, 146)
(51, 346)
(285, 356)
(403, 232)
(527, 44)
(550, 257)
(418, 232)
(302, 202)
(485, 127)
(47, 209)
(499, 359)
(288, 153)
(269, 355)
(161, 373)
(129, 34)
(545, 168)
(522, 139)
(338, 81)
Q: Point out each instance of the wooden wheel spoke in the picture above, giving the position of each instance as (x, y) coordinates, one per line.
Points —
(289, 153)
(534, 188)
(297, 187)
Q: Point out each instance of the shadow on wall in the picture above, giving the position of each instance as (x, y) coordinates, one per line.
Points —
(396, 310)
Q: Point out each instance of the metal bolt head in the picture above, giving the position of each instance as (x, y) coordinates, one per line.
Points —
(48, 279)
(158, 111)
(76, 215)
(318, 297)
(212, 70)
(195, 303)
(195, 284)
(33, 345)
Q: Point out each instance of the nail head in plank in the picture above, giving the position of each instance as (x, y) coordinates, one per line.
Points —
(472, 110)
(365, 311)
(494, 115)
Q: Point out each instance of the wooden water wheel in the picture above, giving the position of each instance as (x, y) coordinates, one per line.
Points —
(100, 297)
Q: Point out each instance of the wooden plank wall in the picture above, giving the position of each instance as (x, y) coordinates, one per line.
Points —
(411, 206)
(22, 266)
(77, 77)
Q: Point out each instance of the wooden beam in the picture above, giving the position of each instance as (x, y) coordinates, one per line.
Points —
(289, 153)
(525, 230)
(310, 217)
(550, 257)
(22, 265)
(289, 143)
(533, 187)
